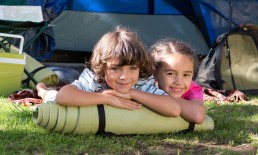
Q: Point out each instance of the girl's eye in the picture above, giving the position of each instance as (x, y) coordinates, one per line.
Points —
(171, 73)
(187, 75)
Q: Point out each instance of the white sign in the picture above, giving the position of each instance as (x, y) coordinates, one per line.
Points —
(21, 13)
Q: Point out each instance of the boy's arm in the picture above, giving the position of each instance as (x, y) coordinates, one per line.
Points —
(163, 104)
(70, 95)
(192, 110)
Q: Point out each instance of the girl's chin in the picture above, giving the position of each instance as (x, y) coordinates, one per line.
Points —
(175, 95)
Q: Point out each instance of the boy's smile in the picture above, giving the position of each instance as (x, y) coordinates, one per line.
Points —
(121, 78)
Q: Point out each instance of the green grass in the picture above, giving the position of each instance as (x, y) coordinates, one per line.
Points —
(236, 132)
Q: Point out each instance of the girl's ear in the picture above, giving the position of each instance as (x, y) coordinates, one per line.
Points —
(155, 74)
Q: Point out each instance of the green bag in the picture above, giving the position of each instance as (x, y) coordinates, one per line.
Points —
(233, 62)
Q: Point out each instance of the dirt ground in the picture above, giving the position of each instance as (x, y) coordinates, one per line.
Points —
(201, 149)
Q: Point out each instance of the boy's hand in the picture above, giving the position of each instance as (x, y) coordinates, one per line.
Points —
(121, 100)
(117, 94)
(124, 103)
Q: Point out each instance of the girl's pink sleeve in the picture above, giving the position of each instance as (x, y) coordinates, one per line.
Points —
(194, 92)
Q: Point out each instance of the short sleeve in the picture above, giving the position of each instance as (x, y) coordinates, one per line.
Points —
(194, 92)
(148, 85)
(88, 83)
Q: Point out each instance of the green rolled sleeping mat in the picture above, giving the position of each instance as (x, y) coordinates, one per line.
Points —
(36, 69)
(39, 72)
(108, 119)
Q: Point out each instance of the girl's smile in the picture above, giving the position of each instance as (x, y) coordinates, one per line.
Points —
(175, 74)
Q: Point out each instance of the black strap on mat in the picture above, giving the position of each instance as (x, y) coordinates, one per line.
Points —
(190, 128)
(102, 119)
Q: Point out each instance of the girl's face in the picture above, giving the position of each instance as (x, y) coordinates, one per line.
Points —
(175, 74)
(121, 78)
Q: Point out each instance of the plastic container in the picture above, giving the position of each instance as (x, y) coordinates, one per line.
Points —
(11, 68)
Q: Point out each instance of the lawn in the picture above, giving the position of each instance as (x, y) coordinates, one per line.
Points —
(235, 132)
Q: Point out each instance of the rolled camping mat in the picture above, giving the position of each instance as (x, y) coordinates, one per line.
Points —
(38, 71)
(108, 119)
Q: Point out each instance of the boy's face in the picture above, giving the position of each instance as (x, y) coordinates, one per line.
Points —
(175, 74)
(121, 78)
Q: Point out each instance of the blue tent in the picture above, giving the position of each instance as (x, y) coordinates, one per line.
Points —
(80, 23)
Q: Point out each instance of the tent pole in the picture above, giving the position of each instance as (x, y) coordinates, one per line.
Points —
(230, 15)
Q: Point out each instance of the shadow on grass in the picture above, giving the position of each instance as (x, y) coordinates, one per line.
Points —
(234, 126)
(234, 123)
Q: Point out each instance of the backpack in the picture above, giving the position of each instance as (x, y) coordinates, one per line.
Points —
(232, 63)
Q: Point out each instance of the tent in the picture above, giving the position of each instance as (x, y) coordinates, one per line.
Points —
(78, 24)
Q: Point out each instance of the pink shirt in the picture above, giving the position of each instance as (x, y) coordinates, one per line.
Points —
(194, 92)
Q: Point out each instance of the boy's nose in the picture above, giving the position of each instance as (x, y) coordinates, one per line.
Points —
(124, 74)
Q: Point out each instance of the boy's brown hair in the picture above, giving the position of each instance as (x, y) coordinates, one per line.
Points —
(124, 45)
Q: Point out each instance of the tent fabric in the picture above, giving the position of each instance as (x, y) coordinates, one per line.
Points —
(130, 7)
(114, 6)
(211, 17)
(214, 15)
(84, 29)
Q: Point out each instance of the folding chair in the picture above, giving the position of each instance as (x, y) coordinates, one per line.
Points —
(16, 27)
(38, 70)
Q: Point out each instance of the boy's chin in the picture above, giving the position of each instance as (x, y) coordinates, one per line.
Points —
(123, 91)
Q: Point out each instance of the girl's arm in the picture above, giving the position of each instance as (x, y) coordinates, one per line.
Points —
(70, 95)
(192, 110)
(163, 104)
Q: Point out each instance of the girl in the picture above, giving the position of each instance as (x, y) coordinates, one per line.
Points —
(118, 75)
(175, 64)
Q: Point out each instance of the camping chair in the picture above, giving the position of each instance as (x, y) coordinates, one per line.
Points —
(16, 27)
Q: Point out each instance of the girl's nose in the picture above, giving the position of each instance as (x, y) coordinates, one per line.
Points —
(178, 80)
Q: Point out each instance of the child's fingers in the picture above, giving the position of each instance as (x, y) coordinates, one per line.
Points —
(117, 94)
(108, 91)
(124, 103)
(131, 105)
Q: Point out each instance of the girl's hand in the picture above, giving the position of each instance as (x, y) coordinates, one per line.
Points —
(117, 94)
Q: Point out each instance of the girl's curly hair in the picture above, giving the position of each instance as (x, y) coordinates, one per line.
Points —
(171, 46)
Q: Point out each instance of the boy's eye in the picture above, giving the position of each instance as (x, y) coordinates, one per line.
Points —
(133, 68)
(115, 68)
